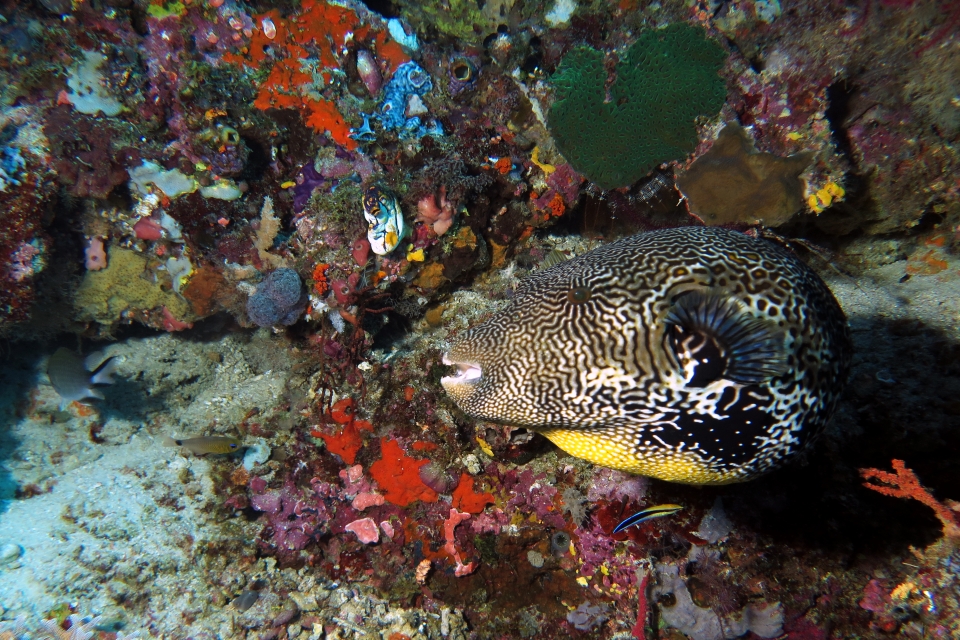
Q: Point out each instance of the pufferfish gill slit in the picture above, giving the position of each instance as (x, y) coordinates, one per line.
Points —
(696, 355)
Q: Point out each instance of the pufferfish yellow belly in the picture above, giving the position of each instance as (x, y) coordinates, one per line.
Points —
(694, 355)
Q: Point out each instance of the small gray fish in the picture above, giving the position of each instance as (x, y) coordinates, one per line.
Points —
(75, 378)
(245, 600)
(205, 444)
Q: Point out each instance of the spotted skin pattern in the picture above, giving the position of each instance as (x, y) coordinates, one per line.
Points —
(583, 355)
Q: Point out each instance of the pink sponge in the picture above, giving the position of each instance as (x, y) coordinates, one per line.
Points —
(366, 530)
(96, 256)
(437, 211)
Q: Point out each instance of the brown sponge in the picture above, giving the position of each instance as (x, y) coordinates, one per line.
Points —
(734, 183)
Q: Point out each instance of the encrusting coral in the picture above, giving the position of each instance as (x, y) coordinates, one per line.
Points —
(122, 287)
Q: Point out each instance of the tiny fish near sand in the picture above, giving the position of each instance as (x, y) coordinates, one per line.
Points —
(75, 378)
(205, 444)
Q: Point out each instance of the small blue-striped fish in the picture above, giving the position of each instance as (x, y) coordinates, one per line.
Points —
(649, 513)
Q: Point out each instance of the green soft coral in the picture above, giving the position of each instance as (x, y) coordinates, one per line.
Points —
(667, 79)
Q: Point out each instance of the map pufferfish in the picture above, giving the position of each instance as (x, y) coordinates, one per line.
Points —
(695, 355)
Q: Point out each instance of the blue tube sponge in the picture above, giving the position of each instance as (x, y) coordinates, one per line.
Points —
(279, 299)
(11, 161)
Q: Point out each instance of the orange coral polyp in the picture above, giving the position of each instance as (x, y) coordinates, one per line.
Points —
(320, 283)
(556, 205)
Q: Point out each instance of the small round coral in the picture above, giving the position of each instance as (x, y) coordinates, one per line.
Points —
(560, 543)
(279, 299)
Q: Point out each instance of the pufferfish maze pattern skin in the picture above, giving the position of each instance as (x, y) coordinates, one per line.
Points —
(694, 355)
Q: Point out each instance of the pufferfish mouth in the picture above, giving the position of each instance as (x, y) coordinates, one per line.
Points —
(467, 372)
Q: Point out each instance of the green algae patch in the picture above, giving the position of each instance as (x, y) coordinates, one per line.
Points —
(162, 10)
(124, 285)
(666, 79)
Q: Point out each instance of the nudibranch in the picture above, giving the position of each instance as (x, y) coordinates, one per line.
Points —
(381, 209)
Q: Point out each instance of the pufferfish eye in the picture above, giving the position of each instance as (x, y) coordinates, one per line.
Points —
(578, 295)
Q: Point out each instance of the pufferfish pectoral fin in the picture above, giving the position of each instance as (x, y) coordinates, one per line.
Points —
(713, 334)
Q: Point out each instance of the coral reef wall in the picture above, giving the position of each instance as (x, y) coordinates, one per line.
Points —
(279, 214)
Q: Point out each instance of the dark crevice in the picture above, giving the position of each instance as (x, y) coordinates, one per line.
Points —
(257, 163)
(838, 110)
(927, 223)
(389, 329)
(384, 7)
